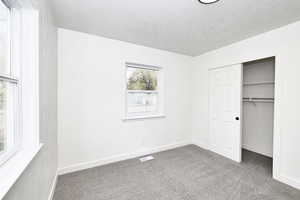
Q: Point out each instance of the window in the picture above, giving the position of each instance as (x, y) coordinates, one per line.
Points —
(143, 91)
(19, 90)
(8, 88)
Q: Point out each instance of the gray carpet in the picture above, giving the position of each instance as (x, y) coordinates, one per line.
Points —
(187, 173)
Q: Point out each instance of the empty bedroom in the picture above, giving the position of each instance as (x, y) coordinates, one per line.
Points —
(149, 100)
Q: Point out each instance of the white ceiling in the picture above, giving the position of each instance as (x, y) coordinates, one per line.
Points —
(182, 26)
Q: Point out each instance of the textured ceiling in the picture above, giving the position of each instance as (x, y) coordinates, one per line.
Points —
(182, 26)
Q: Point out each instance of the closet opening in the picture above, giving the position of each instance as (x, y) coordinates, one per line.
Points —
(258, 114)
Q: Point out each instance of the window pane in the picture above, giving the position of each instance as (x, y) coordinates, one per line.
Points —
(4, 39)
(3, 115)
(141, 79)
(141, 102)
(8, 101)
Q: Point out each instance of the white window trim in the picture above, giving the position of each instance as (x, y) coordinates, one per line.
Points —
(13, 77)
(13, 169)
(26, 54)
(160, 90)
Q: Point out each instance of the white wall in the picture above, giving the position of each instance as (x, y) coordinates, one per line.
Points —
(91, 101)
(284, 43)
(36, 183)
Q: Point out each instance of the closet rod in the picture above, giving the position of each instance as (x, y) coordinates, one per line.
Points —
(261, 101)
(259, 83)
(264, 100)
(258, 98)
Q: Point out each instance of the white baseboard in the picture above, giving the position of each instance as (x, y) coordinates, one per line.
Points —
(86, 165)
(289, 181)
(117, 158)
(247, 147)
(53, 187)
(201, 145)
(281, 178)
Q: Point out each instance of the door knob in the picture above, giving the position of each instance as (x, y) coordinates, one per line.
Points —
(237, 118)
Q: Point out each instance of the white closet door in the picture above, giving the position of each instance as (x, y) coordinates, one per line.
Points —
(225, 111)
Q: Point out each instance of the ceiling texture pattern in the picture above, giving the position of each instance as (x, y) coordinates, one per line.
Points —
(182, 26)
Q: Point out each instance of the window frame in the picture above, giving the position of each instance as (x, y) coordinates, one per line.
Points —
(160, 92)
(12, 79)
(26, 50)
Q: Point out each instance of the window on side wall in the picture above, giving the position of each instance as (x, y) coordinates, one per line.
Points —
(144, 91)
(9, 86)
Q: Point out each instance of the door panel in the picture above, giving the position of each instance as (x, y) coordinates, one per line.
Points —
(225, 86)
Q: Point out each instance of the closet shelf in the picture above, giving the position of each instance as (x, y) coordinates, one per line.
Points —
(260, 83)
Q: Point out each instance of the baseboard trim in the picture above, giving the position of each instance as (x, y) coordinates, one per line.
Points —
(281, 178)
(201, 145)
(82, 166)
(117, 158)
(53, 186)
(289, 181)
(254, 150)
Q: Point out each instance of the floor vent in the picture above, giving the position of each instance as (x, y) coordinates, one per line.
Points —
(146, 158)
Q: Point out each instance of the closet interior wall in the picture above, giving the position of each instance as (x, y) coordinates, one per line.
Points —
(258, 106)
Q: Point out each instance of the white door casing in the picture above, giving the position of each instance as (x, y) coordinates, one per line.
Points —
(225, 90)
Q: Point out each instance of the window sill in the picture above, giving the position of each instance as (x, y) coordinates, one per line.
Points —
(143, 117)
(13, 168)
